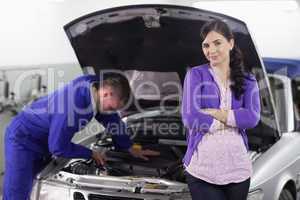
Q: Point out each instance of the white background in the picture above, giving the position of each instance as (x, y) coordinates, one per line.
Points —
(31, 31)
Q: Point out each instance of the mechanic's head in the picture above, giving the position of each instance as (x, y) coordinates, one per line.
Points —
(113, 92)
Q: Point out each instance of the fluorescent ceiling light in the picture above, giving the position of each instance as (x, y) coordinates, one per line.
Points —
(283, 5)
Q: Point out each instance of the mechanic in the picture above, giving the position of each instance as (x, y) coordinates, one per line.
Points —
(45, 128)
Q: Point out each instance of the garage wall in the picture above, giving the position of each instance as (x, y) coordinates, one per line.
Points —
(53, 76)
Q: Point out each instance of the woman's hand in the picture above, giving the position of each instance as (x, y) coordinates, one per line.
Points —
(218, 114)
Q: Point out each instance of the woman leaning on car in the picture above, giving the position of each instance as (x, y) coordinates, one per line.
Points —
(220, 101)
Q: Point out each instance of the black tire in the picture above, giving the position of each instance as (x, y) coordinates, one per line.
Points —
(286, 195)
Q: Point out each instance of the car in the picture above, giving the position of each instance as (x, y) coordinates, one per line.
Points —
(284, 77)
(154, 45)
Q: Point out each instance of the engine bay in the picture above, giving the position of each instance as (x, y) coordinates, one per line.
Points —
(168, 165)
(121, 163)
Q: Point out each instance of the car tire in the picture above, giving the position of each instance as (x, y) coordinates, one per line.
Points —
(286, 195)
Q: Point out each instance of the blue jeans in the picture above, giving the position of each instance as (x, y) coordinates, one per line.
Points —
(202, 190)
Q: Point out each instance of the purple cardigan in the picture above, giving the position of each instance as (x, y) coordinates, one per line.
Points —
(201, 91)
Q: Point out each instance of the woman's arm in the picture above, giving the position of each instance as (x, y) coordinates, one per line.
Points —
(191, 102)
(246, 117)
(249, 115)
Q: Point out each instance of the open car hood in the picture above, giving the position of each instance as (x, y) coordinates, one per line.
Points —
(163, 38)
(158, 38)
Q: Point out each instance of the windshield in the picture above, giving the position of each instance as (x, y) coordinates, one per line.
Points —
(277, 88)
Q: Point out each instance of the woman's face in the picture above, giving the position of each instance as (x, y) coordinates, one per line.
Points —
(216, 48)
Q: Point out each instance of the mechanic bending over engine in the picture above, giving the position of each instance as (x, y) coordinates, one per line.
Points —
(45, 128)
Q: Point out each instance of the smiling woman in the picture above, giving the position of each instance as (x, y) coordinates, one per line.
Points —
(216, 160)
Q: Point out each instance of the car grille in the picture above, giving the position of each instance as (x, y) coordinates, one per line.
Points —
(103, 197)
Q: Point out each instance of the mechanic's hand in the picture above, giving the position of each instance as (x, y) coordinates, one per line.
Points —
(143, 154)
(99, 158)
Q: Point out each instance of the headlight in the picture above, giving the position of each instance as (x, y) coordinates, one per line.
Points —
(255, 195)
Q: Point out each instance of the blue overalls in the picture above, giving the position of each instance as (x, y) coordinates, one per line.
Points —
(46, 127)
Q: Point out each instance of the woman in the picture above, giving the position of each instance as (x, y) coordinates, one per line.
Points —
(220, 101)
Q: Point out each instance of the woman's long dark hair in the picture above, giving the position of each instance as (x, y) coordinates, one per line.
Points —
(237, 71)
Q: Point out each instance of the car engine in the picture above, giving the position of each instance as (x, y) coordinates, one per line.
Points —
(120, 163)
